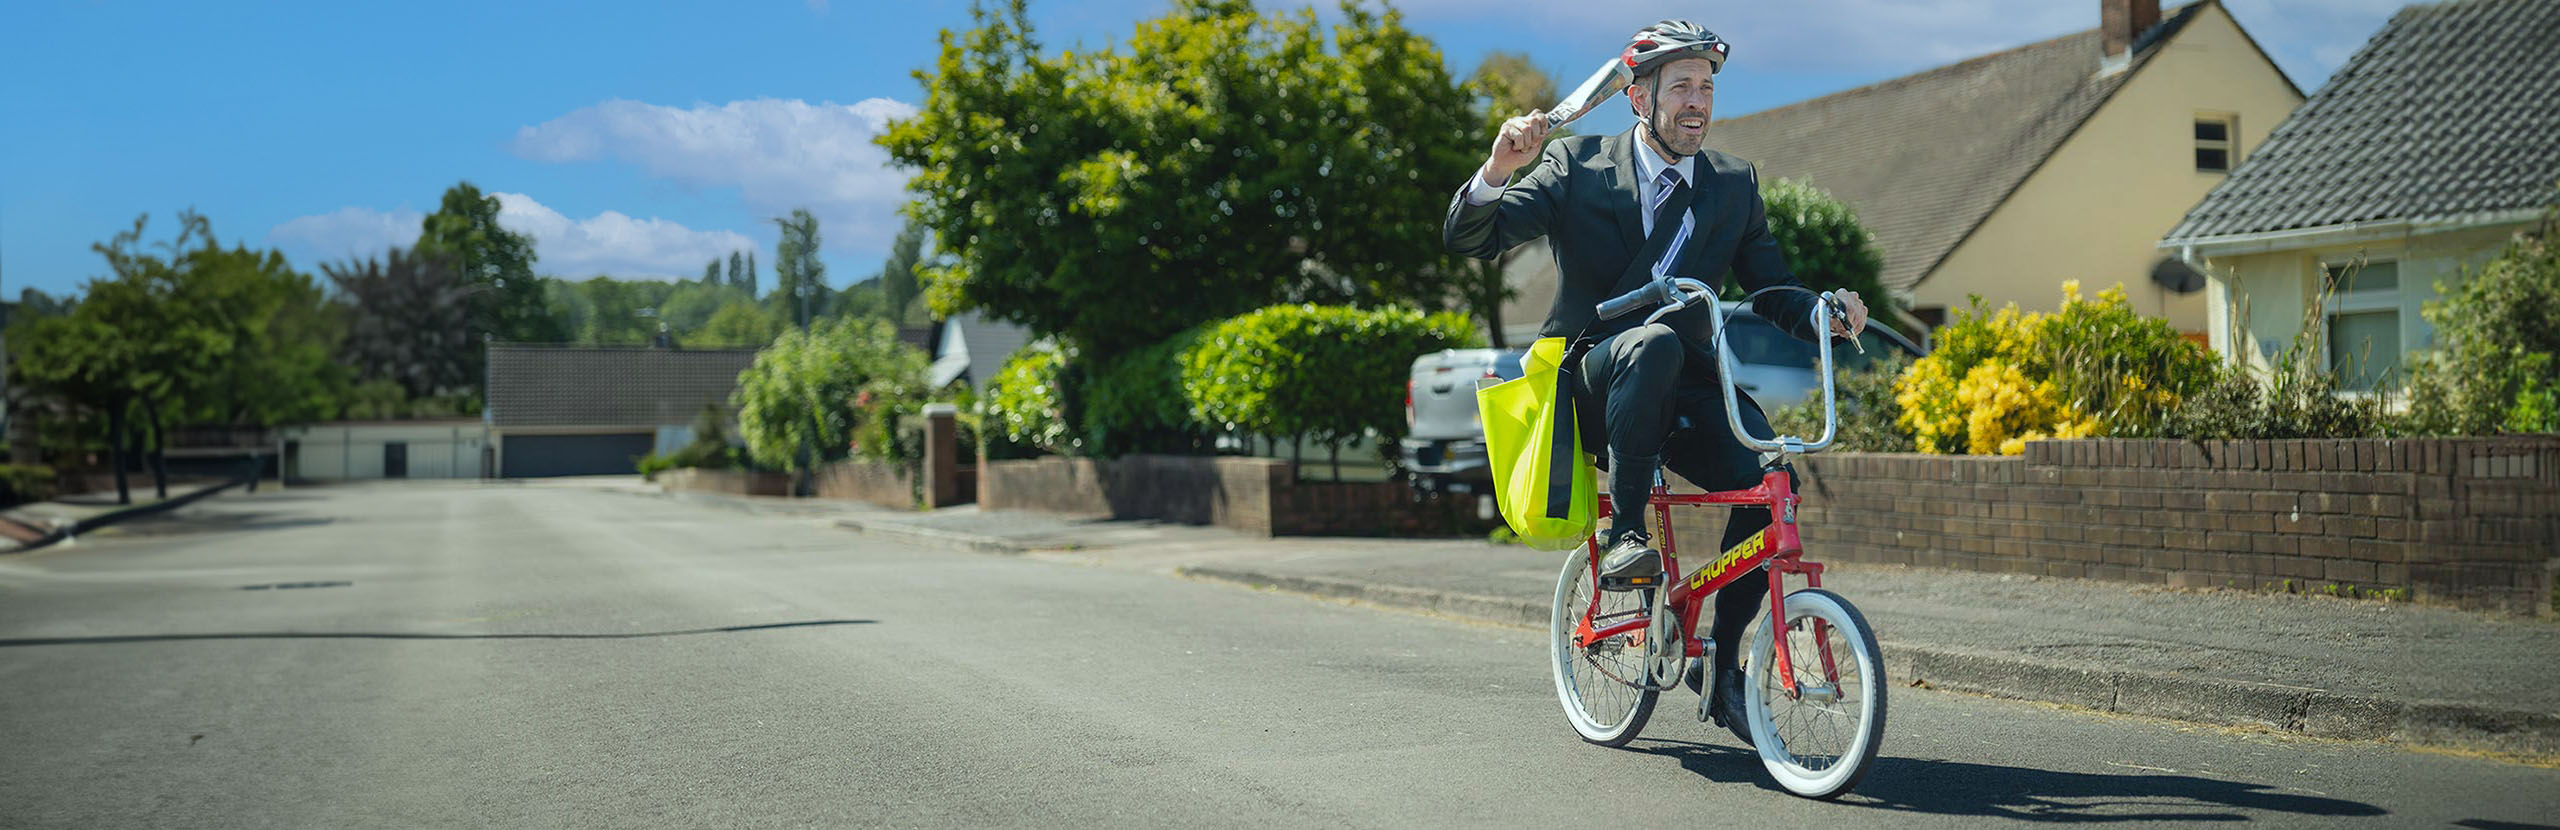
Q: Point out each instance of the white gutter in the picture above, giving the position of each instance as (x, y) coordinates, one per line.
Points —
(2348, 233)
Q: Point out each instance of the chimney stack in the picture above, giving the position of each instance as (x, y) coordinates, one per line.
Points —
(2124, 20)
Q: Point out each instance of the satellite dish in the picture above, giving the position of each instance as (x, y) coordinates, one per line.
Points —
(2177, 276)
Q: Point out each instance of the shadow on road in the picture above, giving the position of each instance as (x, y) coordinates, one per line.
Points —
(178, 524)
(1957, 788)
(394, 635)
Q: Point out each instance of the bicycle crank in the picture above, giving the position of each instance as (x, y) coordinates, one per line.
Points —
(1664, 653)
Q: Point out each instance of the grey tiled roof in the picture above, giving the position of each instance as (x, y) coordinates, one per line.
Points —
(531, 385)
(1924, 158)
(2451, 109)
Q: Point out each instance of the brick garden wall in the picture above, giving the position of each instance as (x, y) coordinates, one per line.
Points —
(2474, 522)
(732, 482)
(877, 482)
(1254, 495)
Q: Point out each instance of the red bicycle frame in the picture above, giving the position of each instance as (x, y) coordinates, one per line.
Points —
(1779, 546)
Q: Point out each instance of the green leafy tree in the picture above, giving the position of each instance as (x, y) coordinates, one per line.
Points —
(408, 323)
(898, 277)
(799, 279)
(737, 267)
(687, 307)
(86, 363)
(36, 304)
(749, 282)
(868, 299)
(1505, 84)
(193, 334)
(603, 311)
(1219, 161)
(511, 305)
(797, 404)
(711, 270)
(739, 324)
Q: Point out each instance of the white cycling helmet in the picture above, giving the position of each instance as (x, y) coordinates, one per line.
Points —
(1672, 40)
(1658, 45)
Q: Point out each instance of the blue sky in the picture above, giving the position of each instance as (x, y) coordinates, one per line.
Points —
(643, 138)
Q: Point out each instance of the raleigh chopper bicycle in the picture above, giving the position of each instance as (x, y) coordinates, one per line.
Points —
(1814, 685)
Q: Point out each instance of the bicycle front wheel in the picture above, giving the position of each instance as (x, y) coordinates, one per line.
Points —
(1603, 686)
(1818, 743)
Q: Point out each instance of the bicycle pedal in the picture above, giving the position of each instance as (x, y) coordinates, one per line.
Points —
(1629, 583)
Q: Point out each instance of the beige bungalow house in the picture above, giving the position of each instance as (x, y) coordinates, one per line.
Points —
(2432, 146)
(2006, 174)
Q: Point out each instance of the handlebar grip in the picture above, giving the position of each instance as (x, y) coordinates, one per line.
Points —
(1651, 293)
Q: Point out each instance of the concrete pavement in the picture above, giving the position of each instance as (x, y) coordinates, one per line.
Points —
(2308, 665)
(464, 655)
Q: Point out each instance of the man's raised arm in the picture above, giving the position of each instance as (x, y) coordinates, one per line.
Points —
(1485, 218)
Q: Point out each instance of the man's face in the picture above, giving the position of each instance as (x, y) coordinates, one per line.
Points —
(1686, 91)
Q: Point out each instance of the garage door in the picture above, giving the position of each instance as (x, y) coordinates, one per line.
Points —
(536, 456)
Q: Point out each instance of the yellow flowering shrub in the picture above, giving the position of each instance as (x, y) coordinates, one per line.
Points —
(2001, 379)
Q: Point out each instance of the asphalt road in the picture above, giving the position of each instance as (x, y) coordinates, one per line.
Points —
(518, 656)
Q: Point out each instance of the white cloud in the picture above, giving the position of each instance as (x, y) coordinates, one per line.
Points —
(606, 243)
(346, 233)
(818, 6)
(612, 243)
(779, 155)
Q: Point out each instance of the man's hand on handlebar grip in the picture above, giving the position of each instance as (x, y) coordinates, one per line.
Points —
(1851, 318)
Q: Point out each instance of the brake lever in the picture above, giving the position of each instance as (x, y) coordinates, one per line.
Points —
(1842, 315)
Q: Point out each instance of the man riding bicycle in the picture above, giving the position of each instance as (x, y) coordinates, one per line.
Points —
(1615, 210)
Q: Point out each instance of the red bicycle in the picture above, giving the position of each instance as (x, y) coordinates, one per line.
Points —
(1814, 691)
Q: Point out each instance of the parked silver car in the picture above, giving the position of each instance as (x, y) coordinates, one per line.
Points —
(1444, 449)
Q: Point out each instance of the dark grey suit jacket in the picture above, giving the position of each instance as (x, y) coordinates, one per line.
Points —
(1582, 198)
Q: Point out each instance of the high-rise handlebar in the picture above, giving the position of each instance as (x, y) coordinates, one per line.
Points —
(1673, 294)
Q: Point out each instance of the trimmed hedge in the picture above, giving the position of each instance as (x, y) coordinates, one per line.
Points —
(1332, 373)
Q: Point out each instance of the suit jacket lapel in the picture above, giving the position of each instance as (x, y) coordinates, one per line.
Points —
(1620, 149)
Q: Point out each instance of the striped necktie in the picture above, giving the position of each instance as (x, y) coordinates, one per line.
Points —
(1666, 195)
(1663, 186)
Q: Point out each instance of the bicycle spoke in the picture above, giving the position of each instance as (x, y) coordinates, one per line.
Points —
(1814, 734)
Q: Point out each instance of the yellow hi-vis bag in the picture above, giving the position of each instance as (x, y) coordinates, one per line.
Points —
(1548, 491)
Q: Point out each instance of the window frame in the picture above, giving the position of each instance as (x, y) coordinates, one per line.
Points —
(2337, 303)
(2229, 144)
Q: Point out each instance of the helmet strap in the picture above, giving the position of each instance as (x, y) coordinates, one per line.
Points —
(1653, 97)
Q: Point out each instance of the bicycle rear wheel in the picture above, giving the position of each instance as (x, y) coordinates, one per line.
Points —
(1819, 743)
(1604, 688)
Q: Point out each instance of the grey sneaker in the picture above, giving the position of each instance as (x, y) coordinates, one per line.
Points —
(1631, 562)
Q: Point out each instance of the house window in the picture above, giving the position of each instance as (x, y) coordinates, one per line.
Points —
(2363, 316)
(2216, 145)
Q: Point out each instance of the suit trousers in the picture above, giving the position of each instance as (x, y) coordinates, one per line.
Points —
(1647, 380)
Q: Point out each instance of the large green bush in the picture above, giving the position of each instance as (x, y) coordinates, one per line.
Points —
(1027, 402)
(1868, 413)
(1135, 403)
(798, 404)
(1822, 240)
(1331, 373)
(2493, 368)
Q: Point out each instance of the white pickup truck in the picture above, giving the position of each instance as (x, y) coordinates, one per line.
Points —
(1444, 449)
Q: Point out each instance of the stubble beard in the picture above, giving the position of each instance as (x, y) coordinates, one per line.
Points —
(1666, 128)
